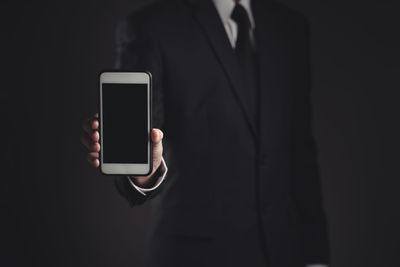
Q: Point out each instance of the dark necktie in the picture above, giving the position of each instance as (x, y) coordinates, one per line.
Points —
(246, 58)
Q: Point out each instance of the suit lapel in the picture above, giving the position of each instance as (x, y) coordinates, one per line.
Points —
(209, 19)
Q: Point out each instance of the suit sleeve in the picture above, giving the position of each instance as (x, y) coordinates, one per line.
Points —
(307, 184)
(137, 49)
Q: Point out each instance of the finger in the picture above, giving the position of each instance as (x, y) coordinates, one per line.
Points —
(93, 161)
(89, 143)
(156, 135)
(95, 136)
(95, 124)
(90, 125)
(94, 155)
(90, 140)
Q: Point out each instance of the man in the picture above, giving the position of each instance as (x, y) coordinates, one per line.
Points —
(231, 92)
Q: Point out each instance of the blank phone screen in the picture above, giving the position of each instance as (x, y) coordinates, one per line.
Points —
(125, 123)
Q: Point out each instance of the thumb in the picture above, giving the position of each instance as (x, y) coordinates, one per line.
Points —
(157, 136)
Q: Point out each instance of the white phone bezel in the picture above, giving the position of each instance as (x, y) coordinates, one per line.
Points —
(126, 168)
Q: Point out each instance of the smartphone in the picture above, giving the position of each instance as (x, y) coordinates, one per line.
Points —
(125, 123)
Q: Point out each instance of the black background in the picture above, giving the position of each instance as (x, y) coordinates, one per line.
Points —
(57, 211)
(124, 124)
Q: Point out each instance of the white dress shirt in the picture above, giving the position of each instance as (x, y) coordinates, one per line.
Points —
(224, 8)
(143, 190)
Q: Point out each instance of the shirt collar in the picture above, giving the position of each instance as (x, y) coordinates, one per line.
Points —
(225, 8)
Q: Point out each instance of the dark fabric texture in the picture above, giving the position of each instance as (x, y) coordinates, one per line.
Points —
(234, 183)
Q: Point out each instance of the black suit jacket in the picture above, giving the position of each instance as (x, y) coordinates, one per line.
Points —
(224, 167)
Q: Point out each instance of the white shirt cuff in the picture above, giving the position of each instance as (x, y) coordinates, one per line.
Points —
(164, 169)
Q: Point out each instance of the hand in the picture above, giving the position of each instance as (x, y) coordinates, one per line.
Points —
(90, 139)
